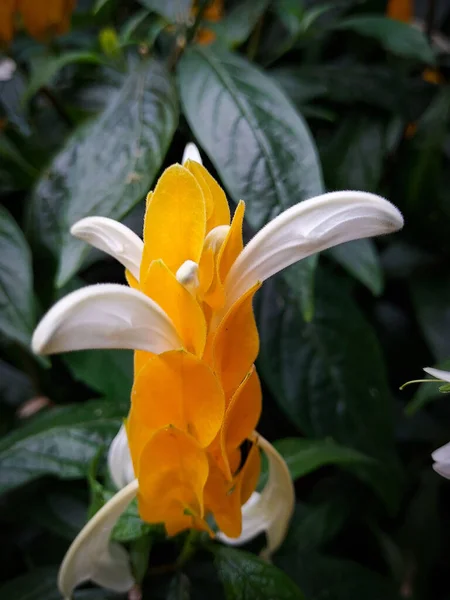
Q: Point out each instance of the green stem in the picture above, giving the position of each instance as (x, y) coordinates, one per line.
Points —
(189, 548)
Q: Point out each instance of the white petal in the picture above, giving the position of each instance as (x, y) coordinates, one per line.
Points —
(306, 228)
(191, 152)
(119, 460)
(92, 557)
(442, 454)
(113, 238)
(442, 469)
(105, 316)
(438, 373)
(270, 511)
(7, 69)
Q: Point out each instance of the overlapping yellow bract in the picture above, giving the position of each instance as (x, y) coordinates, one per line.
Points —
(192, 409)
(42, 19)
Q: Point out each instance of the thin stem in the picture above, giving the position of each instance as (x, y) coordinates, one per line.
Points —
(183, 39)
(420, 381)
(255, 38)
(189, 548)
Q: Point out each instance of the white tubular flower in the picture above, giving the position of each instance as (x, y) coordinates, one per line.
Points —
(113, 238)
(439, 374)
(191, 152)
(441, 458)
(105, 316)
(306, 228)
(120, 464)
(269, 511)
(92, 557)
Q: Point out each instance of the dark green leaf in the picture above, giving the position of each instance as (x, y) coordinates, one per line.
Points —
(353, 157)
(39, 584)
(300, 278)
(333, 579)
(430, 298)
(58, 511)
(259, 144)
(16, 282)
(328, 375)
(61, 442)
(107, 371)
(237, 24)
(107, 166)
(360, 259)
(247, 577)
(313, 526)
(303, 456)
(15, 386)
(130, 526)
(179, 588)
(175, 11)
(394, 36)
(11, 105)
(351, 83)
(46, 68)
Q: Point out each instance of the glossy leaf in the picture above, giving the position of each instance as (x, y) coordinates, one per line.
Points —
(16, 282)
(247, 577)
(393, 35)
(107, 371)
(360, 259)
(303, 456)
(237, 24)
(61, 442)
(259, 144)
(179, 588)
(329, 374)
(325, 578)
(107, 166)
(46, 69)
(174, 11)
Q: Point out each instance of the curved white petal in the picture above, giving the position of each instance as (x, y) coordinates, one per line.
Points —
(119, 460)
(442, 469)
(272, 509)
(438, 373)
(105, 316)
(191, 152)
(442, 454)
(306, 228)
(113, 238)
(93, 557)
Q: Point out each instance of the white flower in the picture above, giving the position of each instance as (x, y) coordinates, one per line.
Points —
(441, 456)
(92, 557)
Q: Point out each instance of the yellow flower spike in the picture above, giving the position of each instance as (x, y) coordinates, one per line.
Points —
(191, 166)
(241, 417)
(220, 214)
(235, 344)
(175, 220)
(224, 498)
(161, 285)
(172, 474)
(176, 388)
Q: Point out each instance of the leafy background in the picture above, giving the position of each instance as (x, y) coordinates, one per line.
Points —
(292, 98)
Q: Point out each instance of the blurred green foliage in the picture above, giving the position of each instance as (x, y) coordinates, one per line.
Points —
(287, 99)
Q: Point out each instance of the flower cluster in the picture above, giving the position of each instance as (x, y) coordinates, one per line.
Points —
(189, 449)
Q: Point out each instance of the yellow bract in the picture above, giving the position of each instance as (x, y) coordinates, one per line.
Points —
(192, 409)
(42, 20)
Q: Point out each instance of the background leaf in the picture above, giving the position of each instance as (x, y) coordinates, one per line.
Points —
(107, 166)
(61, 442)
(259, 144)
(395, 36)
(247, 577)
(16, 282)
(360, 259)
